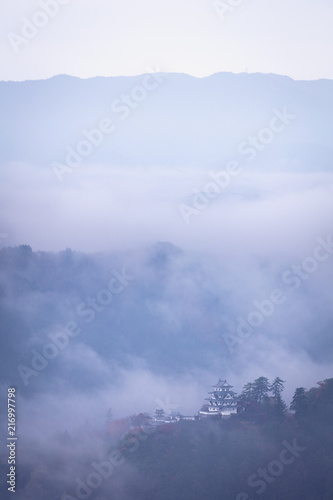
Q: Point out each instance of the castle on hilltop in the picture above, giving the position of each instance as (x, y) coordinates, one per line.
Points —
(222, 401)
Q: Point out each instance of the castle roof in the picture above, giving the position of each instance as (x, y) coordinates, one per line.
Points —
(221, 394)
(222, 383)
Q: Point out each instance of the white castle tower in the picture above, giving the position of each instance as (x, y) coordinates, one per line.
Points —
(222, 401)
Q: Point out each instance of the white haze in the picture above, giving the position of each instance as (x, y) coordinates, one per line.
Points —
(258, 226)
(234, 252)
(100, 208)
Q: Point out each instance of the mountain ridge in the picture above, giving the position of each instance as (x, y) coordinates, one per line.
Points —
(180, 120)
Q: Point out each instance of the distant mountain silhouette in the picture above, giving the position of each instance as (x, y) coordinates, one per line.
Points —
(170, 119)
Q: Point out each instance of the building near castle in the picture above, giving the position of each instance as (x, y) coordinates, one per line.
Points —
(160, 417)
(222, 401)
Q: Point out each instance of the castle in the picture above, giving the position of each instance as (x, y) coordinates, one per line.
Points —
(222, 401)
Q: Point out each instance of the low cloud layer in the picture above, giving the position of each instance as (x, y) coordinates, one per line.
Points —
(104, 208)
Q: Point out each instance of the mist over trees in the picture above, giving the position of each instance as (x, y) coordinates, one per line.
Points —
(258, 451)
(113, 298)
(191, 243)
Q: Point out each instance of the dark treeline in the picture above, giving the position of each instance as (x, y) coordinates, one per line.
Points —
(265, 451)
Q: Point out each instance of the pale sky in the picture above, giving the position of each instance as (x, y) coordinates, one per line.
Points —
(125, 37)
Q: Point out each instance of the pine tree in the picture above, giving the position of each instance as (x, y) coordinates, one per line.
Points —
(277, 387)
(247, 392)
(109, 415)
(280, 407)
(300, 404)
(260, 389)
(245, 399)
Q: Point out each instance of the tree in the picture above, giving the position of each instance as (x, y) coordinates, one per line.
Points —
(277, 387)
(322, 400)
(253, 399)
(280, 407)
(260, 389)
(300, 404)
(109, 415)
(245, 399)
(248, 390)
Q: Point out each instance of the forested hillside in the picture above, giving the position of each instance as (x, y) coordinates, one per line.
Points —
(258, 452)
